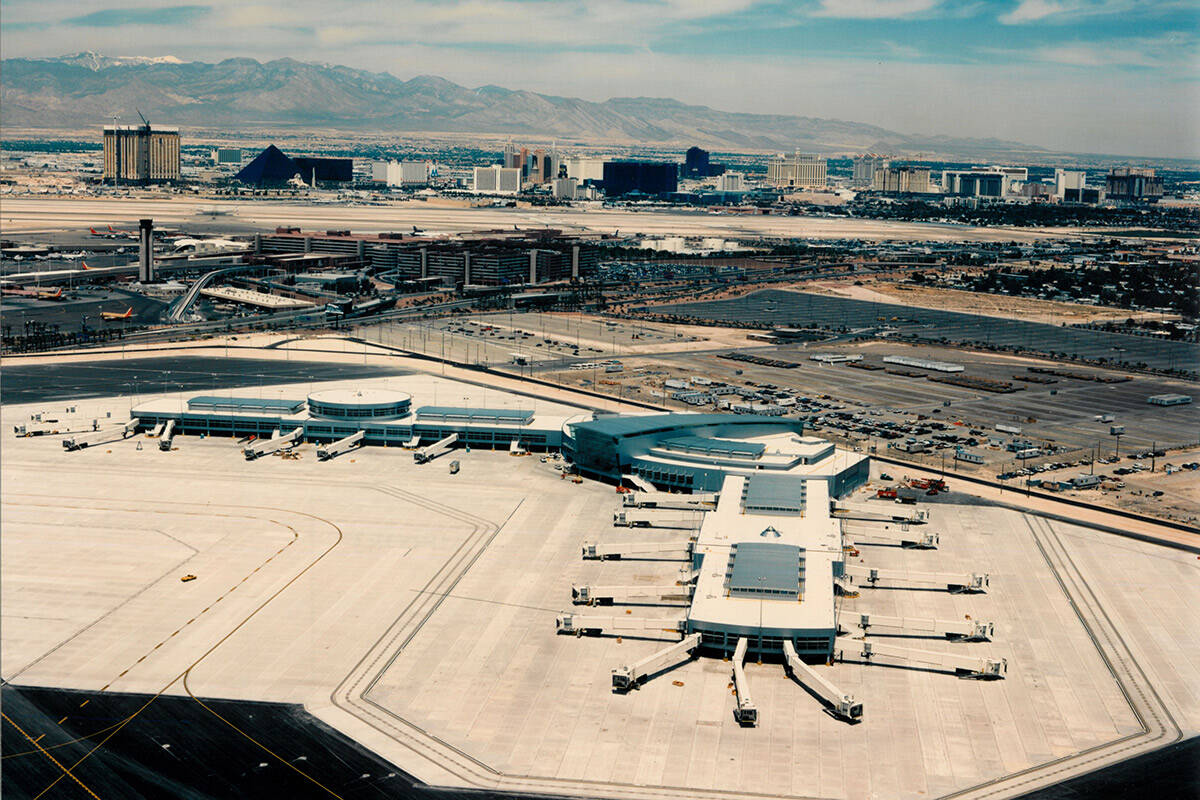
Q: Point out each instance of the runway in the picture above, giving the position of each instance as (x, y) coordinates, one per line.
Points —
(28, 215)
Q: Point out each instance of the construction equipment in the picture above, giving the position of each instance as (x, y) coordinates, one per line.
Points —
(973, 583)
(745, 713)
(265, 447)
(584, 594)
(629, 677)
(614, 551)
(581, 624)
(650, 518)
(326, 452)
(965, 666)
(167, 437)
(429, 452)
(967, 630)
(703, 501)
(840, 703)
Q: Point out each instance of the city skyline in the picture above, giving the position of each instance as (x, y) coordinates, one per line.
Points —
(1113, 76)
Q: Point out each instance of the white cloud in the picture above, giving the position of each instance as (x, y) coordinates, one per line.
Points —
(1028, 11)
(874, 9)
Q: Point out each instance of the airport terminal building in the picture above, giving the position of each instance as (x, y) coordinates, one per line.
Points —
(674, 451)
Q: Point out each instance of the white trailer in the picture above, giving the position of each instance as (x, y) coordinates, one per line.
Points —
(586, 594)
(168, 436)
(926, 540)
(840, 703)
(746, 713)
(431, 451)
(275, 443)
(614, 551)
(629, 677)
(580, 624)
(703, 501)
(965, 666)
(968, 630)
(326, 452)
(651, 518)
(973, 583)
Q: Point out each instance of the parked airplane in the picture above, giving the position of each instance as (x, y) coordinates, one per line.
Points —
(109, 316)
(36, 294)
(113, 234)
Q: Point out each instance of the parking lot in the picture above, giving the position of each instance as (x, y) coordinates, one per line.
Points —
(780, 307)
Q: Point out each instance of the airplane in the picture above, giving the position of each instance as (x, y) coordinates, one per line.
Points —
(36, 294)
(113, 234)
(109, 316)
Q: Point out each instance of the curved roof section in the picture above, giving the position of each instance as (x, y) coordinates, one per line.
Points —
(647, 424)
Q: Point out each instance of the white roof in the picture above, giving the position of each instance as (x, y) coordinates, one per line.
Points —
(814, 531)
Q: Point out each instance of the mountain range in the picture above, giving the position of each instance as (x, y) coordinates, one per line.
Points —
(87, 89)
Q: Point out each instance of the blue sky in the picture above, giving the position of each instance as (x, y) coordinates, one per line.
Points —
(1115, 76)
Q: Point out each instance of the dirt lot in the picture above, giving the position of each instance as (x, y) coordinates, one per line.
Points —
(968, 302)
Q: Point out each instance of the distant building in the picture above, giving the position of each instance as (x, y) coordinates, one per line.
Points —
(865, 167)
(586, 169)
(1065, 180)
(995, 182)
(801, 170)
(731, 182)
(227, 155)
(643, 177)
(565, 188)
(140, 154)
(902, 180)
(511, 156)
(319, 169)
(272, 167)
(401, 173)
(1133, 184)
(497, 180)
(695, 163)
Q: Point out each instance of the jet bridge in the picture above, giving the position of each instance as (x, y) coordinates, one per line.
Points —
(583, 594)
(619, 550)
(651, 518)
(345, 445)
(840, 703)
(863, 513)
(917, 540)
(631, 676)
(95, 437)
(970, 583)
(158, 430)
(968, 630)
(746, 712)
(703, 501)
(965, 666)
(431, 451)
(167, 438)
(639, 482)
(580, 624)
(276, 443)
